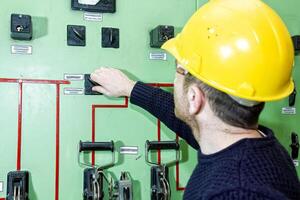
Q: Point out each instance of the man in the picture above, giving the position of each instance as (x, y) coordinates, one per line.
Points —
(232, 56)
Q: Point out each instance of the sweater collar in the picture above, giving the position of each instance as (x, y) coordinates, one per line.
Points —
(235, 147)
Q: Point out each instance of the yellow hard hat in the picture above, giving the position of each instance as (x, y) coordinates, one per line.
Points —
(241, 47)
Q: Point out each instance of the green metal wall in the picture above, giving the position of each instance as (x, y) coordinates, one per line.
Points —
(130, 126)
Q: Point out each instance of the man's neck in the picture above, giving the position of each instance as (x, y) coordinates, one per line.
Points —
(216, 136)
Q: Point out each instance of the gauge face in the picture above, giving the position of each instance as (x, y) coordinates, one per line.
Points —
(103, 6)
(88, 2)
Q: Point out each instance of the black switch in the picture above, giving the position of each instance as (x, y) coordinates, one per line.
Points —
(76, 35)
(296, 42)
(294, 146)
(292, 98)
(17, 185)
(110, 37)
(21, 27)
(89, 84)
(103, 6)
(160, 35)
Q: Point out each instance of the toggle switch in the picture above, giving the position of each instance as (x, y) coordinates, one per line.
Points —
(89, 84)
(110, 37)
(292, 98)
(76, 35)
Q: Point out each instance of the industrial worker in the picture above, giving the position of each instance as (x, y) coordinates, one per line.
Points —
(232, 56)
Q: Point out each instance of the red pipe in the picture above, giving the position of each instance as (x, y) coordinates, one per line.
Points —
(178, 188)
(19, 145)
(93, 132)
(161, 84)
(124, 105)
(57, 141)
(159, 139)
(34, 81)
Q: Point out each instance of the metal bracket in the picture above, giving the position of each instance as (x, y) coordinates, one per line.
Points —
(17, 185)
(295, 146)
(93, 180)
(160, 187)
(124, 187)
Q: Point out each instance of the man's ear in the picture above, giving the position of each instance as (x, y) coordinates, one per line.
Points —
(196, 99)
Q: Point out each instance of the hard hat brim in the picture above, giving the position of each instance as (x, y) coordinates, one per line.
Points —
(172, 46)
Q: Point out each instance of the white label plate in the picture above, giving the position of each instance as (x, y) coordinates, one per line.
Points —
(288, 111)
(129, 150)
(73, 77)
(1, 186)
(73, 91)
(96, 17)
(158, 56)
(21, 49)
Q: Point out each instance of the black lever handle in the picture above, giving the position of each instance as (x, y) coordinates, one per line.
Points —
(161, 145)
(295, 145)
(292, 98)
(96, 146)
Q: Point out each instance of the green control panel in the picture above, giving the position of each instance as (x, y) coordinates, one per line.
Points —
(54, 129)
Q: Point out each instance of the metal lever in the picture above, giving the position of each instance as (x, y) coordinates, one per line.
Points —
(162, 145)
(17, 192)
(292, 98)
(96, 146)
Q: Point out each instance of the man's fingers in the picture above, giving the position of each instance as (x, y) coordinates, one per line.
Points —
(97, 77)
(101, 90)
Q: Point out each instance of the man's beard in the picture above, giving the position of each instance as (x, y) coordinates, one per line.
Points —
(181, 112)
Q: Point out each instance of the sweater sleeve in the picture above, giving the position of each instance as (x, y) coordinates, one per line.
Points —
(161, 104)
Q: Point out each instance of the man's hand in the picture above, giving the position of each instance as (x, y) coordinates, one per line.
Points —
(114, 83)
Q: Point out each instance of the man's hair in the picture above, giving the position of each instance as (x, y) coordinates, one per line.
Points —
(225, 108)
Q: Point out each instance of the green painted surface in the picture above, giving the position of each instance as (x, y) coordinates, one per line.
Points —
(127, 126)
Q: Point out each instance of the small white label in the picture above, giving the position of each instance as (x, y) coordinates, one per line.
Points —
(21, 49)
(88, 16)
(73, 77)
(288, 111)
(129, 150)
(73, 91)
(158, 56)
(1, 186)
(296, 163)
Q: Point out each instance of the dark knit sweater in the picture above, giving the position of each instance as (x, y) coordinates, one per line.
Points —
(258, 168)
